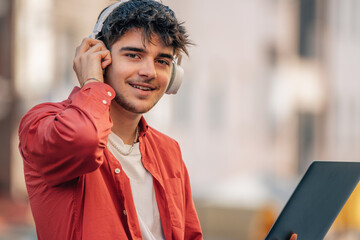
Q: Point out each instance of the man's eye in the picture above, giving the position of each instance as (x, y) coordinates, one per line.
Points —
(163, 62)
(132, 55)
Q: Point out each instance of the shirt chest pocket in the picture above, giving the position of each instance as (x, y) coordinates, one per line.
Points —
(175, 200)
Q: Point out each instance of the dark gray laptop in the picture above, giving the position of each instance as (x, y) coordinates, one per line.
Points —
(316, 201)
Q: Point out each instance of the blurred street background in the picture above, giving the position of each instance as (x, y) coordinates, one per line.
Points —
(270, 86)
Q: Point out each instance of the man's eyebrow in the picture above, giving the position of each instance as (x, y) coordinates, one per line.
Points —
(166, 55)
(141, 50)
(133, 49)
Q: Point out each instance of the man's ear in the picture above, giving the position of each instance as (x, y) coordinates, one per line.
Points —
(105, 69)
(104, 74)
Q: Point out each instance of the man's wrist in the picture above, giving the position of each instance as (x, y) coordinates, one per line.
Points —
(90, 80)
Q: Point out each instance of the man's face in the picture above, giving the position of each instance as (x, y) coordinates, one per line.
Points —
(139, 73)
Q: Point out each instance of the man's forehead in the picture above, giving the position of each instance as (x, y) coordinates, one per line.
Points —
(147, 39)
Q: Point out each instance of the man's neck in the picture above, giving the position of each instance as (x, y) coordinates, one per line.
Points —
(124, 123)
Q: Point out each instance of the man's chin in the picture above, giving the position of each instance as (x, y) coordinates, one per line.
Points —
(132, 107)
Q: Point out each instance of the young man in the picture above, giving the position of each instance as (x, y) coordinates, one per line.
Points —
(93, 167)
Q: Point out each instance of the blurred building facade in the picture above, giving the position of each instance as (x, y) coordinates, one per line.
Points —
(7, 100)
(269, 87)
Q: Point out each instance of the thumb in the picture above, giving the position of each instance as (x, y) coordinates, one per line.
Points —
(293, 237)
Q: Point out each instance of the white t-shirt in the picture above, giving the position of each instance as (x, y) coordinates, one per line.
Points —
(141, 182)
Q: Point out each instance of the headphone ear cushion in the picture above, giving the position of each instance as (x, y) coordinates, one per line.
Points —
(176, 79)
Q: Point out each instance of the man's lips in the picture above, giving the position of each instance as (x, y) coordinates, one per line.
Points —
(142, 86)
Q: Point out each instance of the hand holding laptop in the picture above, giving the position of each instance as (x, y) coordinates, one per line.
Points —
(316, 201)
(293, 237)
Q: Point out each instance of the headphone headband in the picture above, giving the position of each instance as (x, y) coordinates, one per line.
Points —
(99, 24)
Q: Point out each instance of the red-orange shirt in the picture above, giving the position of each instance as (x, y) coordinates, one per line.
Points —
(77, 188)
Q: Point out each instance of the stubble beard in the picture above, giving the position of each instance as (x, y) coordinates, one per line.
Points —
(128, 106)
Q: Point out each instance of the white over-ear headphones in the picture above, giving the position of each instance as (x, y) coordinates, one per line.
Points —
(177, 72)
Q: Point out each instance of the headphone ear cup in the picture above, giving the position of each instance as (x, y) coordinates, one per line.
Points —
(177, 75)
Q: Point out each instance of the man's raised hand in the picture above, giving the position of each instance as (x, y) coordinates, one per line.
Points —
(91, 57)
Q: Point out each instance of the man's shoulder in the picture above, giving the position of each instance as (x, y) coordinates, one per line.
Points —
(166, 149)
(159, 136)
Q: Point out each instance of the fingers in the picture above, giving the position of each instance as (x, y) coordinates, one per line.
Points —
(88, 43)
(105, 59)
(92, 46)
(91, 57)
(293, 237)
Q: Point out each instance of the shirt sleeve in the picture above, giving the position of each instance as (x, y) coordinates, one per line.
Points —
(65, 140)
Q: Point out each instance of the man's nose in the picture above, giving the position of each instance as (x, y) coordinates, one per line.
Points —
(148, 69)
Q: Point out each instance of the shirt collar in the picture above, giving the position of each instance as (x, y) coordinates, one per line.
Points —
(143, 126)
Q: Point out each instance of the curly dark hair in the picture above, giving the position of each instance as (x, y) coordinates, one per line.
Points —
(150, 16)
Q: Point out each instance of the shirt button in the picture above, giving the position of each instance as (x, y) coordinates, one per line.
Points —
(104, 102)
(109, 93)
(124, 212)
(117, 170)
